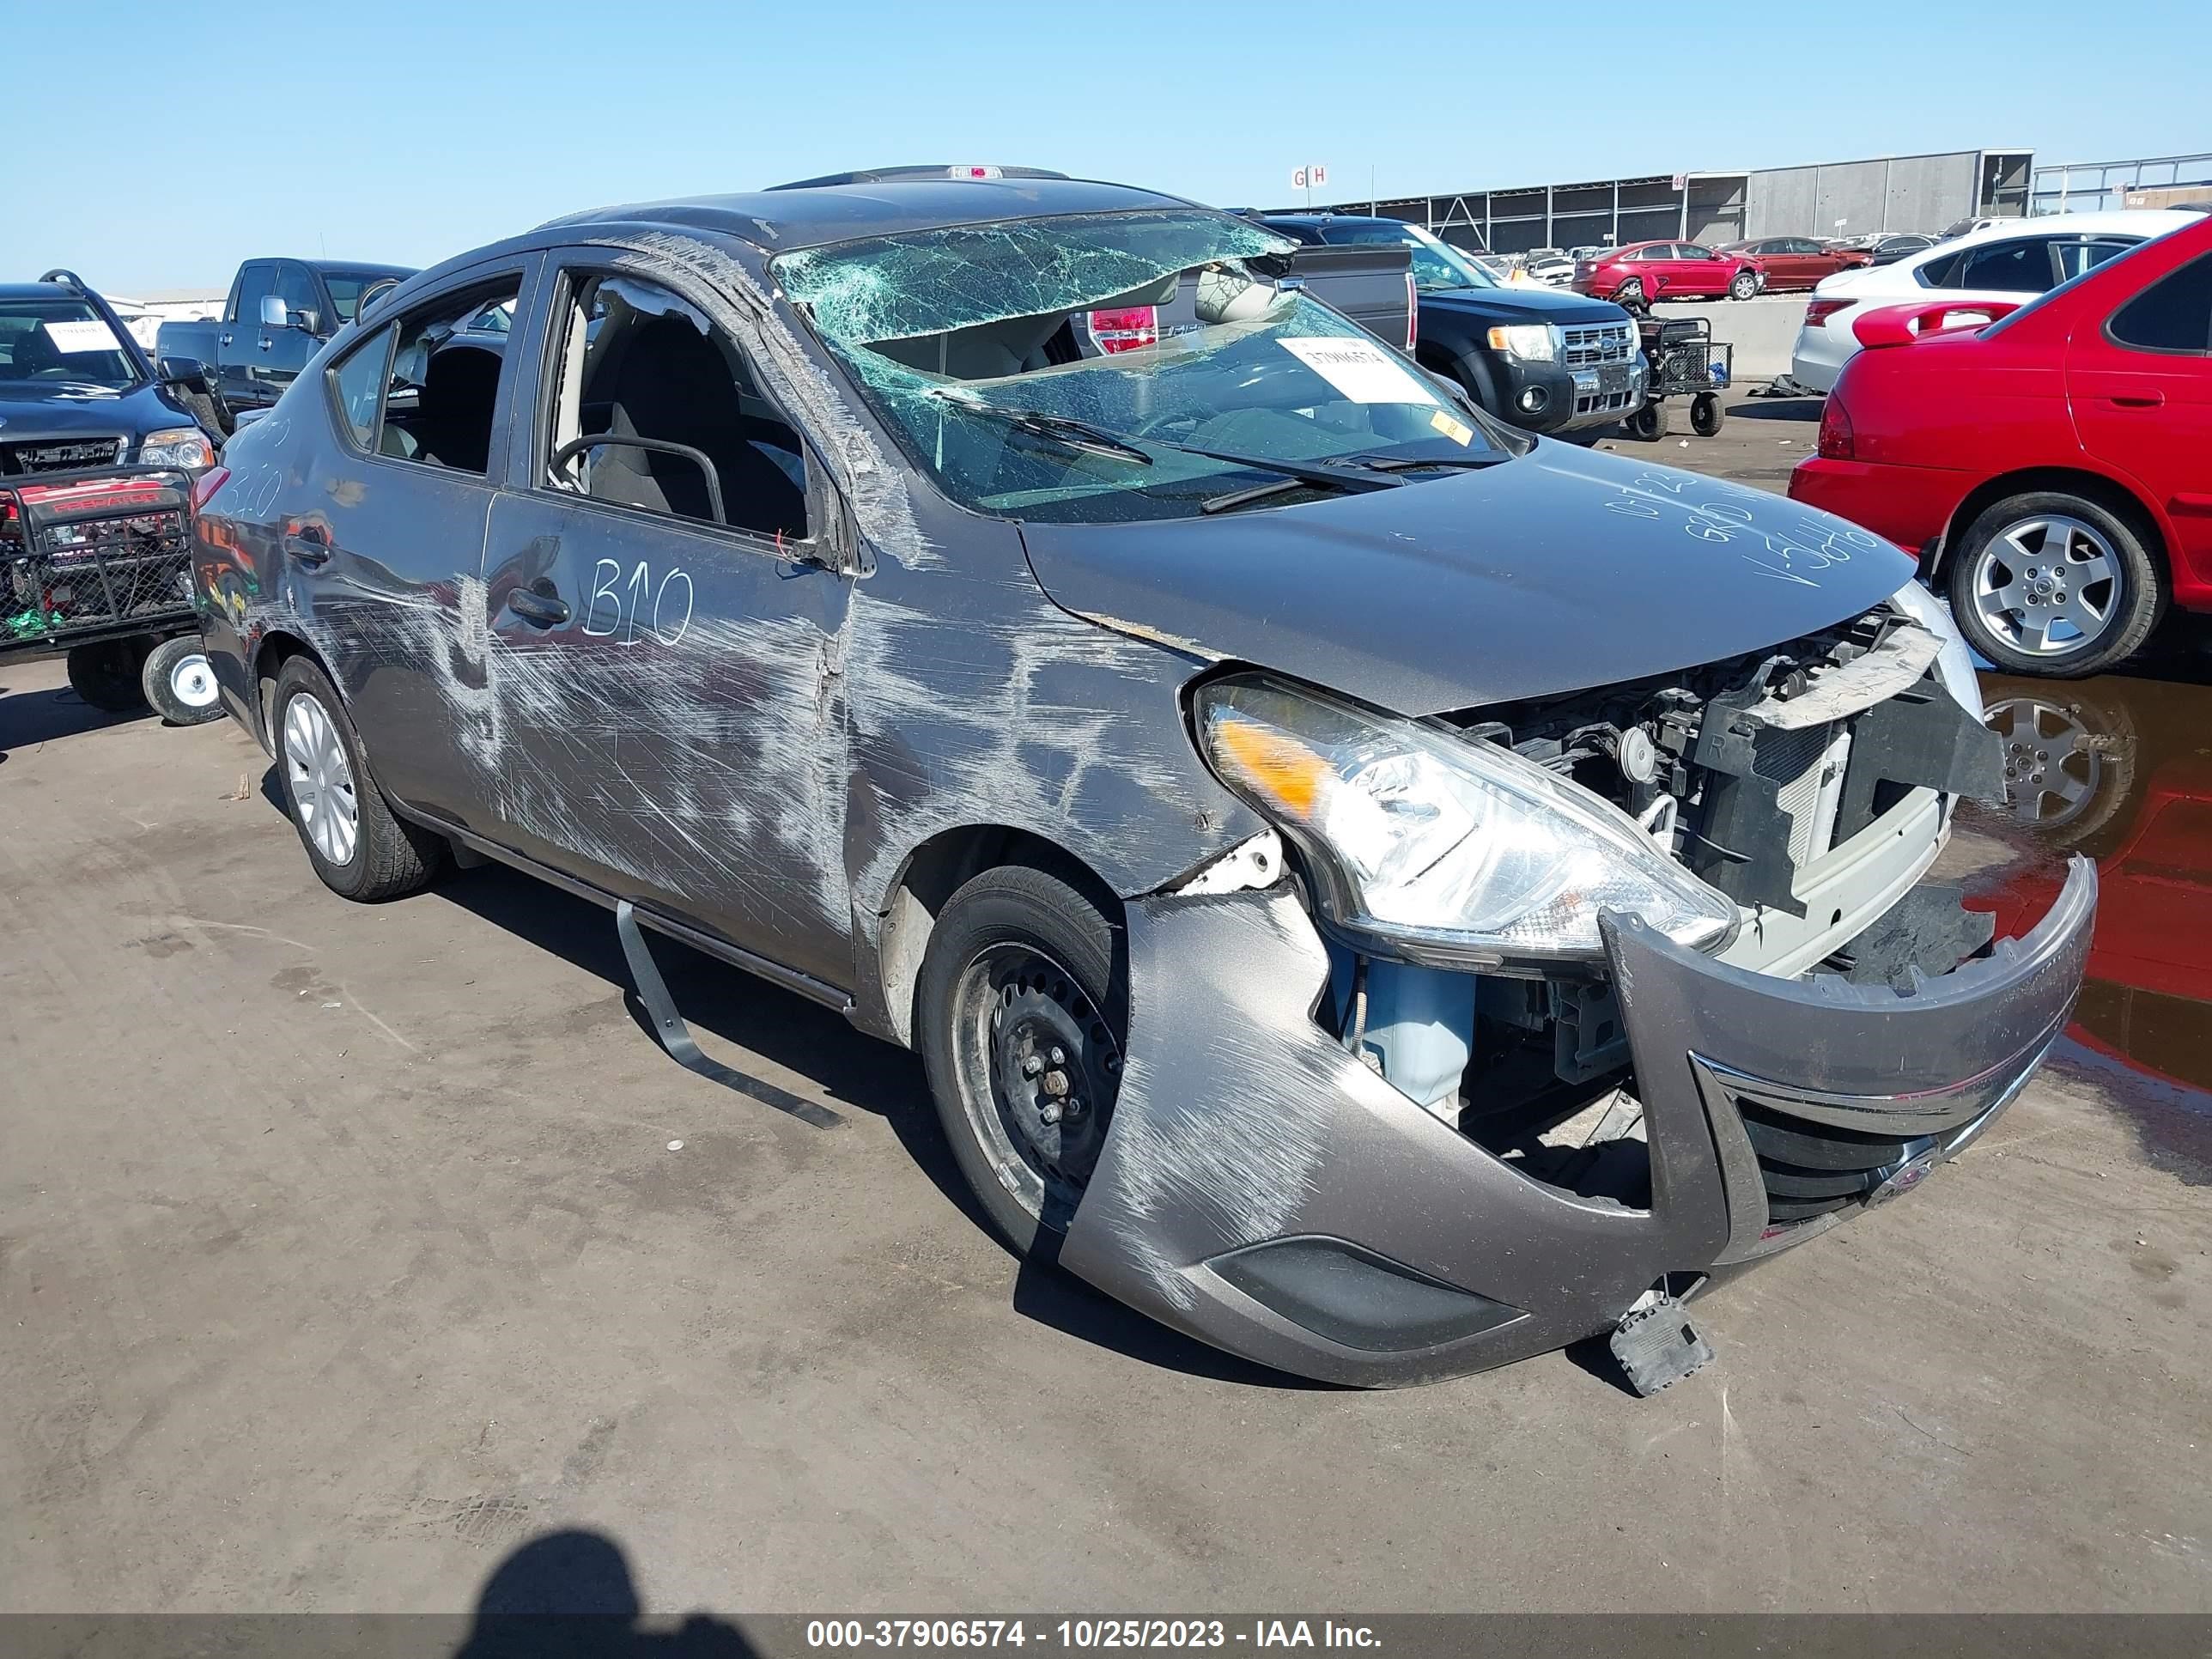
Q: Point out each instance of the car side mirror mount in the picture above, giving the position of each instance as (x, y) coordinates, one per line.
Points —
(309, 321)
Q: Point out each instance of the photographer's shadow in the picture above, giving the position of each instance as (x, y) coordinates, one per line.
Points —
(568, 1595)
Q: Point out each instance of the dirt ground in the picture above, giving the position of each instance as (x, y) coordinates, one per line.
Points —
(343, 1250)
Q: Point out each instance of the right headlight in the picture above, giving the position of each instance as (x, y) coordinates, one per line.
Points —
(1440, 849)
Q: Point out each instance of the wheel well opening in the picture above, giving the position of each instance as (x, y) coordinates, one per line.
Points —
(934, 871)
(2091, 486)
(269, 659)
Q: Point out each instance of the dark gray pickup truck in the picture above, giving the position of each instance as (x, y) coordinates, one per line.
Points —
(278, 315)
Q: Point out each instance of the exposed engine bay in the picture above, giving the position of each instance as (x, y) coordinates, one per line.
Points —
(1823, 770)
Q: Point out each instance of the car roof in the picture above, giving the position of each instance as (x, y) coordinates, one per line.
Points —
(39, 291)
(809, 215)
(2135, 222)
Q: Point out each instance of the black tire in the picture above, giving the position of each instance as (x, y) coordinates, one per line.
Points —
(1631, 293)
(1707, 416)
(1744, 285)
(1649, 422)
(106, 674)
(2133, 608)
(387, 857)
(1018, 951)
(177, 680)
(210, 411)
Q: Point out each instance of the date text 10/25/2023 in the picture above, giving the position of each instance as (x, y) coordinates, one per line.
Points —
(1084, 1634)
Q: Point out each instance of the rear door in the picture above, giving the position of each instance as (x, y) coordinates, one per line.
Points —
(676, 738)
(2140, 381)
(238, 342)
(384, 550)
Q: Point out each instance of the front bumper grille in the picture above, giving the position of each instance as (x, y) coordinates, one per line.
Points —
(1593, 345)
(31, 455)
(93, 553)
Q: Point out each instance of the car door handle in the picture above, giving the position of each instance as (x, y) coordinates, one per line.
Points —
(266, 343)
(538, 605)
(309, 544)
(222, 339)
(2138, 399)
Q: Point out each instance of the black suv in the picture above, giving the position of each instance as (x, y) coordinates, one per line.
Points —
(77, 391)
(1543, 359)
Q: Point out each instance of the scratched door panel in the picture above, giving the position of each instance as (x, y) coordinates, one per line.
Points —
(679, 739)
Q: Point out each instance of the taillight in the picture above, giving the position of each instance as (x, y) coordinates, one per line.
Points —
(1835, 430)
(1817, 312)
(1413, 313)
(207, 483)
(1127, 329)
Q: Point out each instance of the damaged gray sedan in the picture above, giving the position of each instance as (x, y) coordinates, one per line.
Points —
(1383, 893)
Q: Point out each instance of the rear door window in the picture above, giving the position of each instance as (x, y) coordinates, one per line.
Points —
(2172, 314)
(2021, 265)
(441, 394)
(2075, 257)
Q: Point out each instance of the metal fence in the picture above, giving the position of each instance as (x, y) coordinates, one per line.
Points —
(2097, 186)
(1886, 193)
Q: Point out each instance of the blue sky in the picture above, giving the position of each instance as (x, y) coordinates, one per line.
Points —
(398, 130)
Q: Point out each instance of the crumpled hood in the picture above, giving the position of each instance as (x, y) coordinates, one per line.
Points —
(1559, 571)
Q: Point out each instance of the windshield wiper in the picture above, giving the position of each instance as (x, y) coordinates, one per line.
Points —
(1415, 462)
(1294, 477)
(1063, 430)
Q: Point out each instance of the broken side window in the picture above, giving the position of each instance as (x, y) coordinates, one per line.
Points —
(687, 430)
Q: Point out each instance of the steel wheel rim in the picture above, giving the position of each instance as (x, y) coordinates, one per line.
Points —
(2051, 762)
(2048, 586)
(320, 778)
(1005, 989)
(192, 682)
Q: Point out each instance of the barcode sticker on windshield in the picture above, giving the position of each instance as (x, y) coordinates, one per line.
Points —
(89, 335)
(1360, 369)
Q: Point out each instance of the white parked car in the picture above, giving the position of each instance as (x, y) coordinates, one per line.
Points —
(2010, 259)
(1550, 267)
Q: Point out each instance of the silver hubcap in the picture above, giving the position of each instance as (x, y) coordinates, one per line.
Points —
(2048, 586)
(193, 682)
(321, 779)
(2052, 765)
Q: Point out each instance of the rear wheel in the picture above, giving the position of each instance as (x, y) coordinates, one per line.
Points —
(106, 674)
(1019, 1016)
(1632, 292)
(2055, 585)
(1743, 285)
(1707, 416)
(178, 682)
(1649, 422)
(358, 848)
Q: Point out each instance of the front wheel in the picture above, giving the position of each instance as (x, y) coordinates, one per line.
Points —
(1742, 285)
(180, 683)
(2055, 585)
(1649, 422)
(1705, 414)
(106, 674)
(1019, 1016)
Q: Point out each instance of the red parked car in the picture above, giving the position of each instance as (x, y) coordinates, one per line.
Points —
(1792, 263)
(1645, 272)
(2053, 468)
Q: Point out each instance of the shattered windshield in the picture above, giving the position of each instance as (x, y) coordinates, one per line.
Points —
(1109, 366)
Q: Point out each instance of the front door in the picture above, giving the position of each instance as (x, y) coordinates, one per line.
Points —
(2140, 387)
(280, 352)
(238, 342)
(665, 644)
(1700, 271)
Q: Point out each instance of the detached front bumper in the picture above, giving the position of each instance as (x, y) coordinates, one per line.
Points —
(1263, 1191)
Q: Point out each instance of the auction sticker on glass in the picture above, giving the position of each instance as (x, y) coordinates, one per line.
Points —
(88, 335)
(1360, 369)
